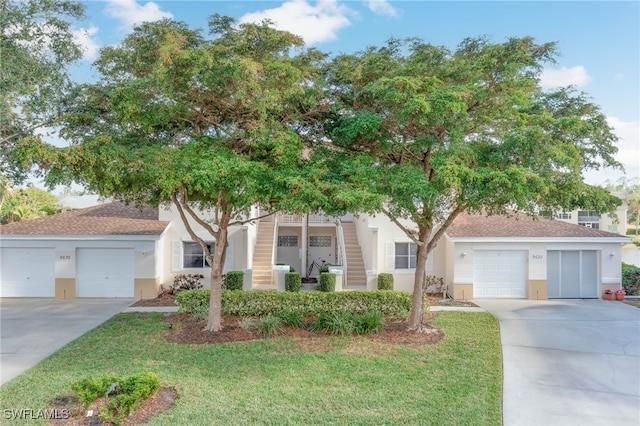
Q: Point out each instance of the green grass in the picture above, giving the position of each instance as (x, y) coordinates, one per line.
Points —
(633, 302)
(273, 381)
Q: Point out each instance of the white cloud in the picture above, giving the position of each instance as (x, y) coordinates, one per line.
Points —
(576, 76)
(628, 153)
(315, 24)
(130, 13)
(84, 37)
(381, 7)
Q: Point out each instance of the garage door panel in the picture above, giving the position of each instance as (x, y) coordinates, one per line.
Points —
(105, 272)
(500, 273)
(27, 272)
(572, 274)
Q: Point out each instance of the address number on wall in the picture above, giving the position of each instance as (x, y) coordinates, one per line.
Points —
(537, 256)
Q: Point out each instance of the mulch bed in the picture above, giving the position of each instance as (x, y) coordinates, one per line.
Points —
(183, 330)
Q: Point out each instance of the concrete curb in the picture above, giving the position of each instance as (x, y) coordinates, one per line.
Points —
(456, 308)
(151, 309)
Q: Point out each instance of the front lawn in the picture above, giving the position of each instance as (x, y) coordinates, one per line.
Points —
(341, 380)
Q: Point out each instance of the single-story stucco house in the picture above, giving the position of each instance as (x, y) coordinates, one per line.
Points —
(114, 250)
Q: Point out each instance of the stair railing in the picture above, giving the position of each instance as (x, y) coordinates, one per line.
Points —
(342, 252)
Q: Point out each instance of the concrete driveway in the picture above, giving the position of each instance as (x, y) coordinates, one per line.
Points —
(569, 362)
(31, 329)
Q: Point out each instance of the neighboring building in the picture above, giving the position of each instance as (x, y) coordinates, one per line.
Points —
(113, 250)
(594, 220)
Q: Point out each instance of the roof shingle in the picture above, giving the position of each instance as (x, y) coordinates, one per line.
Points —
(104, 219)
(519, 225)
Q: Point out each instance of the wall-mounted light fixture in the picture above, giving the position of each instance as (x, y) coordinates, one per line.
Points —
(463, 254)
(611, 254)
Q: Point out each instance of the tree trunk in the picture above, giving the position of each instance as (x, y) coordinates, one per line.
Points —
(416, 319)
(214, 321)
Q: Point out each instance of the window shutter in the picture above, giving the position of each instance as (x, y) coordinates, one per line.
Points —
(390, 252)
(228, 260)
(176, 256)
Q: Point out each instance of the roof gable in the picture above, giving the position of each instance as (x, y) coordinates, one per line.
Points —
(105, 219)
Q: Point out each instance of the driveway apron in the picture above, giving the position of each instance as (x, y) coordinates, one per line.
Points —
(569, 362)
(31, 329)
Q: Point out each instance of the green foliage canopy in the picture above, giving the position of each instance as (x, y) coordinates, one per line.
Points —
(205, 124)
(440, 132)
(36, 45)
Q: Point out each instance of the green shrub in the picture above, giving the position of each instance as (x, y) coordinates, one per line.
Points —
(133, 391)
(292, 281)
(344, 323)
(631, 279)
(385, 281)
(291, 318)
(233, 280)
(256, 303)
(247, 323)
(327, 282)
(194, 302)
(322, 269)
(89, 389)
(369, 322)
(269, 325)
(341, 323)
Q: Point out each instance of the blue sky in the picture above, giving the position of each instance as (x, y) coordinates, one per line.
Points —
(598, 42)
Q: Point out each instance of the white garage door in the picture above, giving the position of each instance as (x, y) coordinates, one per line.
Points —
(105, 272)
(27, 272)
(500, 274)
(572, 274)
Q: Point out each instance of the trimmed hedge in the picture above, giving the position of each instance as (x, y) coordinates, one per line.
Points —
(392, 304)
(327, 282)
(385, 281)
(631, 279)
(292, 281)
(233, 280)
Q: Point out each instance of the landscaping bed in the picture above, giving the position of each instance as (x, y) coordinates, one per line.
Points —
(184, 330)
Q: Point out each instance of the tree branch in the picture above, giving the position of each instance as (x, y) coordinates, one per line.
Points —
(192, 234)
(184, 205)
(433, 242)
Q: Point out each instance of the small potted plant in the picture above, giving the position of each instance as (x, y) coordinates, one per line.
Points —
(620, 294)
(608, 294)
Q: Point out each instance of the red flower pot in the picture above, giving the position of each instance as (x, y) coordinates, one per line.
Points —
(607, 296)
(619, 296)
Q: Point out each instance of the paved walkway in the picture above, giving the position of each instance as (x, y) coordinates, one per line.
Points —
(569, 362)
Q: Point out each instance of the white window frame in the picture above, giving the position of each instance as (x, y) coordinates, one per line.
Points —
(186, 255)
(411, 256)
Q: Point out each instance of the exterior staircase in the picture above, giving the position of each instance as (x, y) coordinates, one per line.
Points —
(356, 274)
(262, 267)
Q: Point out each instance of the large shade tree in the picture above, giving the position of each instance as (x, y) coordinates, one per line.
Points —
(441, 132)
(210, 125)
(36, 46)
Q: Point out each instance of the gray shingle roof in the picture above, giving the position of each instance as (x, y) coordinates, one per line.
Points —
(519, 225)
(104, 219)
